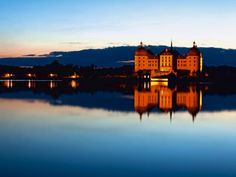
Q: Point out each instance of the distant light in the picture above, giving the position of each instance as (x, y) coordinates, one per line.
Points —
(74, 76)
(159, 79)
(53, 75)
(8, 75)
(31, 75)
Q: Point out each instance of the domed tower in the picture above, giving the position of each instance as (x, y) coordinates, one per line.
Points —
(194, 58)
(194, 51)
(145, 60)
(141, 50)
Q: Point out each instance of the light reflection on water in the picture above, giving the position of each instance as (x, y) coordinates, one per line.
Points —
(41, 138)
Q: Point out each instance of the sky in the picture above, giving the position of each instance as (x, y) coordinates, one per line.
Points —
(39, 27)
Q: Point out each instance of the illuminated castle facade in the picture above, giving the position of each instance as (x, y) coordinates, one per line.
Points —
(169, 61)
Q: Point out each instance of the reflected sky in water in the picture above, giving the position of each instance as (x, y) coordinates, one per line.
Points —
(39, 138)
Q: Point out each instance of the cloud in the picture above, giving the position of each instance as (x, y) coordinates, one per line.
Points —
(43, 55)
(30, 55)
(34, 56)
(73, 43)
(117, 43)
(126, 61)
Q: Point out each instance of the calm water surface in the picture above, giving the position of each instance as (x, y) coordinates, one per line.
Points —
(100, 133)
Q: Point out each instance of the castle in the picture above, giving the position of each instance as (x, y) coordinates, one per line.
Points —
(169, 61)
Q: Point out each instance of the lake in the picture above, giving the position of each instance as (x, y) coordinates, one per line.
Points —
(54, 128)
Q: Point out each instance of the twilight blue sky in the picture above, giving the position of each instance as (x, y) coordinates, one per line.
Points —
(38, 27)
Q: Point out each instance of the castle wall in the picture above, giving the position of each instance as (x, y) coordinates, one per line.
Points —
(167, 62)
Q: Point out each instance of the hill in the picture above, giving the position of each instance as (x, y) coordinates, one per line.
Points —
(116, 56)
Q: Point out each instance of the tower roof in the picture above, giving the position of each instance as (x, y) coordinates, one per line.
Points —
(194, 51)
(143, 51)
(166, 52)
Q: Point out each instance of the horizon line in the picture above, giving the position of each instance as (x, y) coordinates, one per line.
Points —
(45, 55)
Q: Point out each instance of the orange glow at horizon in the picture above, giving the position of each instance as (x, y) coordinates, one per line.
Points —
(42, 49)
(19, 52)
(10, 50)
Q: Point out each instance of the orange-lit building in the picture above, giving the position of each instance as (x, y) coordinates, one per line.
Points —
(168, 61)
(145, 60)
(166, 99)
(191, 62)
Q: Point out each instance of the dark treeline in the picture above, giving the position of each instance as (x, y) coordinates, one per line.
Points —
(219, 74)
(56, 70)
(92, 71)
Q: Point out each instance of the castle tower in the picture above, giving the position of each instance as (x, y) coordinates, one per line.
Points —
(146, 63)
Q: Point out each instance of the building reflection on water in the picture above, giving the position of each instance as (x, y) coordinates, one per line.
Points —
(31, 84)
(8, 83)
(149, 96)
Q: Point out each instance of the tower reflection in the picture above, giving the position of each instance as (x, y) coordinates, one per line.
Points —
(149, 96)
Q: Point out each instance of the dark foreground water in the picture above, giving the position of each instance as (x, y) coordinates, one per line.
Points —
(54, 129)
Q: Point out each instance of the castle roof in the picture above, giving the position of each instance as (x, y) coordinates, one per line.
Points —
(194, 51)
(143, 51)
(181, 57)
(166, 52)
